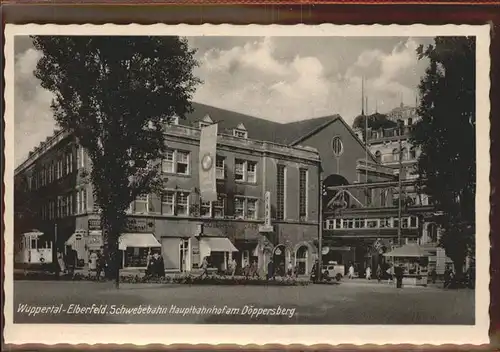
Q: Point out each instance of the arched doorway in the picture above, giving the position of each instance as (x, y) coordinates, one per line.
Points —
(302, 260)
(279, 258)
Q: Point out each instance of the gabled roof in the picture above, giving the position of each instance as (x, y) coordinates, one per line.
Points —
(257, 128)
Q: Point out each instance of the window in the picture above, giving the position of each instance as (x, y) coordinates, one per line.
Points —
(372, 223)
(245, 208)
(168, 162)
(404, 154)
(383, 197)
(245, 171)
(213, 209)
(347, 223)
(413, 222)
(385, 222)
(413, 153)
(337, 146)
(174, 120)
(167, 203)
(81, 201)
(395, 155)
(395, 222)
(240, 133)
(404, 223)
(280, 192)
(82, 158)
(176, 161)
(182, 163)
(251, 209)
(202, 124)
(359, 223)
(220, 168)
(239, 207)
(378, 156)
(141, 204)
(219, 207)
(302, 194)
(175, 203)
(69, 163)
(338, 223)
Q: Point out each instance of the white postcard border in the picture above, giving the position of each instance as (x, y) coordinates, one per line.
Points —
(261, 334)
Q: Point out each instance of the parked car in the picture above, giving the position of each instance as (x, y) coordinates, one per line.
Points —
(334, 270)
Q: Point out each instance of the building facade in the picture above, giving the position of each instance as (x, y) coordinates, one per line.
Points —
(179, 223)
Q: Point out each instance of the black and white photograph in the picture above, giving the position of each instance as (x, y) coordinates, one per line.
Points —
(200, 177)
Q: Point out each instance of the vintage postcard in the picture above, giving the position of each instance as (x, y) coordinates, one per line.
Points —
(247, 184)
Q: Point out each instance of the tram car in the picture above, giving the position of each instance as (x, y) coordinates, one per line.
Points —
(33, 251)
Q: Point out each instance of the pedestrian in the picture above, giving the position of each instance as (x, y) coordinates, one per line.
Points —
(379, 273)
(433, 275)
(389, 274)
(204, 267)
(270, 270)
(398, 272)
(233, 267)
(246, 270)
(368, 273)
(351, 272)
(60, 262)
(92, 262)
(290, 269)
(161, 265)
(101, 265)
(254, 269)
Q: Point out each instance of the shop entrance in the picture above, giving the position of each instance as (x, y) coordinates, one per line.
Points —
(279, 259)
(302, 258)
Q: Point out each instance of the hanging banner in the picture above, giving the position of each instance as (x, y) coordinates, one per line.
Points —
(267, 227)
(207, 155)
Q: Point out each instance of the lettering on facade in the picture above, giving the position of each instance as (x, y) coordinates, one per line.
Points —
(94, 224)
(139, 225)
(267, 209)
(228, 225)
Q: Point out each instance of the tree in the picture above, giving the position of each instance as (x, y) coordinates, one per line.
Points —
(116, 94)
(446, 136)
(376, 122)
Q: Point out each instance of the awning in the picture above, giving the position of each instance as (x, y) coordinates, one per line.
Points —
(141, 240)
(408, 250)
(216, 244)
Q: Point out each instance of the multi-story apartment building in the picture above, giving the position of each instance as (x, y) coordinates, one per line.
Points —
(392, 149)
(248, 170)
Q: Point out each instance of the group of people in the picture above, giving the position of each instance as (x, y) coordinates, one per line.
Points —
(155, 266)
(66, 262)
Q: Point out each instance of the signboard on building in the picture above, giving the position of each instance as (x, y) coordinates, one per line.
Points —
(94, 224)
(267, 227)
(207, 168)
(139, 225)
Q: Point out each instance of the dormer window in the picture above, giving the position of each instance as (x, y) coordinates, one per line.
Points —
(205, 121)
(174, 120)
(240, 131)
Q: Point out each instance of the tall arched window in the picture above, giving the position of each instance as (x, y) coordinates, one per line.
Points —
(413, 153)
(378, 156)
(410, 121)
(395, 154)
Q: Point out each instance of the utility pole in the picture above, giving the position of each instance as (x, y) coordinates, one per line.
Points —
(399, 179)
(55, 249)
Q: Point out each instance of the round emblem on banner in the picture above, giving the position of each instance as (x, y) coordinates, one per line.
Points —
(278, 251)
(207, 162)
(325, 250)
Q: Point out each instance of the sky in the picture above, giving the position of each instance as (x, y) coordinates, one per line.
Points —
(282, 79)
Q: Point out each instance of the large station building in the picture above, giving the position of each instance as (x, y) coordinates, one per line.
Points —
(256, 159)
